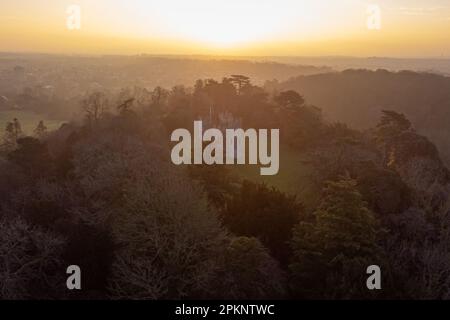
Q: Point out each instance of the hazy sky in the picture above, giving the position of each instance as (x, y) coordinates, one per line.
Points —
(241, 27)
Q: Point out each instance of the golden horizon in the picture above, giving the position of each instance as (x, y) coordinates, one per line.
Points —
(253, 28)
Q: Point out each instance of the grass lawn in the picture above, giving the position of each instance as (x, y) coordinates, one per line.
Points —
(293, 177)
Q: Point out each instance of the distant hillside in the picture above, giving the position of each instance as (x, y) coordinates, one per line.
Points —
(433, 65)
(357, 96)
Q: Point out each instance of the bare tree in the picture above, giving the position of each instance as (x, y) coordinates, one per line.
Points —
(26, 255)
(95, 106)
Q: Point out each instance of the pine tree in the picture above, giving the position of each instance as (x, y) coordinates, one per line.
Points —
(390, 127)
(41, 130)
(17, 128)
(9, 142)
(332, 252)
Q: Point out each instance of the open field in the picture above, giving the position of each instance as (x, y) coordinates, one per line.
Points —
(293, 177)
(28, 120)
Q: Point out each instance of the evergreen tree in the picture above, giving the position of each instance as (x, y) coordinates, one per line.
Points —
(9, 138)
(17, 128)
(41, 130)
(265, 213)
(240, 81)
(289, 98)
(391, 125)
(332, 252)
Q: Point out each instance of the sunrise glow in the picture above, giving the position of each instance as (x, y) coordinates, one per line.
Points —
(264, 27)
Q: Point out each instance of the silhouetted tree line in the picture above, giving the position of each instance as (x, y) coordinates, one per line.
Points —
(103, 194)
